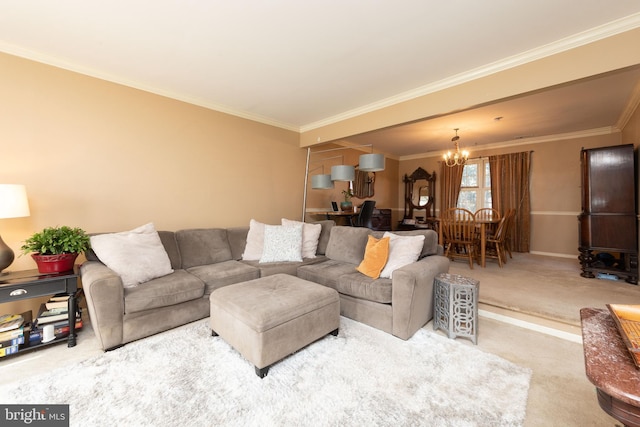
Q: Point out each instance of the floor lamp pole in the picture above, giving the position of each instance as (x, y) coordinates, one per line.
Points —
(306, 179)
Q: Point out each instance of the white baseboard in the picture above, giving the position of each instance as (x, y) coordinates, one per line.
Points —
(532, 326)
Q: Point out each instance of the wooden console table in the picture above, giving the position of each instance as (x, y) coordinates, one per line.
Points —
(609, 367)
(28, 284)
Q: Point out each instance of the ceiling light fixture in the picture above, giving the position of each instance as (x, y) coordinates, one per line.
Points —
(458, 158)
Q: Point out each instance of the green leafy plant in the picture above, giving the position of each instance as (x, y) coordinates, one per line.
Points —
(57, 240)
(347, 194)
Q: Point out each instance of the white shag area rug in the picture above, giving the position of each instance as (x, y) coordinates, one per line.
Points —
(362, 377)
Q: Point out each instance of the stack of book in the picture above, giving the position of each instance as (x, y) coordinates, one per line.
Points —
(55, 311)
(11, 333)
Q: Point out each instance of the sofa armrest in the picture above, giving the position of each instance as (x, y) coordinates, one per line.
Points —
(412, 294)
(104, 293)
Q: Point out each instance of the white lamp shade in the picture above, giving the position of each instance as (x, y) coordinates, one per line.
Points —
(371, 162)
(13, 201)
(321, 182)
(343, 173)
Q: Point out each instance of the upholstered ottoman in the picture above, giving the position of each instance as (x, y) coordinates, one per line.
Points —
(267, 319)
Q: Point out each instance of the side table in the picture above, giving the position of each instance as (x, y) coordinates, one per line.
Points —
(455, 308)
(28, 284)
(609, 366)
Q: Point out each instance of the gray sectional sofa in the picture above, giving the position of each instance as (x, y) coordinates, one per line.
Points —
(206, 259)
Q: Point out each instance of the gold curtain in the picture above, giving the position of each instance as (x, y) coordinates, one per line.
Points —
(510, 190)
(450, 183)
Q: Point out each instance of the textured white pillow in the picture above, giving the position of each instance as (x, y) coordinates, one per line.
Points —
(403, 250)
(255, 241)
(310, 236)
(282, 243)
(137, 256)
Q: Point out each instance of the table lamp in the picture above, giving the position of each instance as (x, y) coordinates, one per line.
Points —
(13, 204)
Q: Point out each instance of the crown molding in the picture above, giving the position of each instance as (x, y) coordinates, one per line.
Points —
(91, 72)
(592, 35)
(630, 108)
(601, 32)
(606, 130)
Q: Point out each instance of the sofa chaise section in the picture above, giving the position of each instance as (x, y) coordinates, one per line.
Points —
(399, 305)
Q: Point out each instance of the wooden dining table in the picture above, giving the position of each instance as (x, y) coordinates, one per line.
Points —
(482, 225)
(339, 216)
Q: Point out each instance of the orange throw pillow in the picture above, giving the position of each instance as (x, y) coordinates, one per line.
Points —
(375, 257)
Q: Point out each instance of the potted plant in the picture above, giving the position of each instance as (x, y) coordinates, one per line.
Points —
(55, 249)
(347, 206)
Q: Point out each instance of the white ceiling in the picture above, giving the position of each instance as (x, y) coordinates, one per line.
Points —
(296, 63)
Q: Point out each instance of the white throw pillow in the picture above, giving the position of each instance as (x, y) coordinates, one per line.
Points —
(137, 256)
(310, 236)
(255, 241)
(403, 250)
(282, 243)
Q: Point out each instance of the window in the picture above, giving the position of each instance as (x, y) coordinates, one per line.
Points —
(475, 192)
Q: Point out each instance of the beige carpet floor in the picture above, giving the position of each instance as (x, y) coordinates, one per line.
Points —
(546, 287)
(542, 288)
(560, 394)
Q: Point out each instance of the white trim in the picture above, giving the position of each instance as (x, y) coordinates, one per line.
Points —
(553, 254)
(559, 213)
(92, 72)
(580, 39)
(606, 130)
(630, 108)
(592, 35)
(532, 326)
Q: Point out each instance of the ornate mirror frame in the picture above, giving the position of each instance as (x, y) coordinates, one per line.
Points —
(420, 193)
(363, 186)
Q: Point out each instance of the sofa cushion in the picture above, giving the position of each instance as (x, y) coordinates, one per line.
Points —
(168, 239)
(347, 244)
(375, 257)
(224, 273)
(403, 250)
(136, 256)
(174, 288)
(291, 268)
(203, 246)
(360, 286)
(282, 243)
(325, 233)
(310, 236)
(430, 245)
(237, 237)
(326, 273)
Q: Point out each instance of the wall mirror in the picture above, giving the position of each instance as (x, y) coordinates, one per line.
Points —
(419, 193)
(363, 186)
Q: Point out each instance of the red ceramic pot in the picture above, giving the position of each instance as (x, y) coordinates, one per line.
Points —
(54, 263)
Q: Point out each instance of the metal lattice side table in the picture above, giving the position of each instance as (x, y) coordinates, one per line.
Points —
(456, 305)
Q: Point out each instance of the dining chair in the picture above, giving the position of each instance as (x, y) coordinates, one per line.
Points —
(495, 245)
(363, 219)
(488, 214)
(458, 233)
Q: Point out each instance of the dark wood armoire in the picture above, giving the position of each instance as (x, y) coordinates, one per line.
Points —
(608, 225)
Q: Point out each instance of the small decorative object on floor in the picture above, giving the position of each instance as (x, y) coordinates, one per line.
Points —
(456, 306)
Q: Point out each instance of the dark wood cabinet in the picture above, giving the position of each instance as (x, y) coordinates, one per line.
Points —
(607, 230)
(381, 220)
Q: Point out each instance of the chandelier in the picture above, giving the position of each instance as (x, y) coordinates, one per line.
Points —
(458, 158)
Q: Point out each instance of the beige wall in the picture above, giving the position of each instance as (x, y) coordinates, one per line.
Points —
(608, 54)
(385, 187)
(555, 188)
(105, 157)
